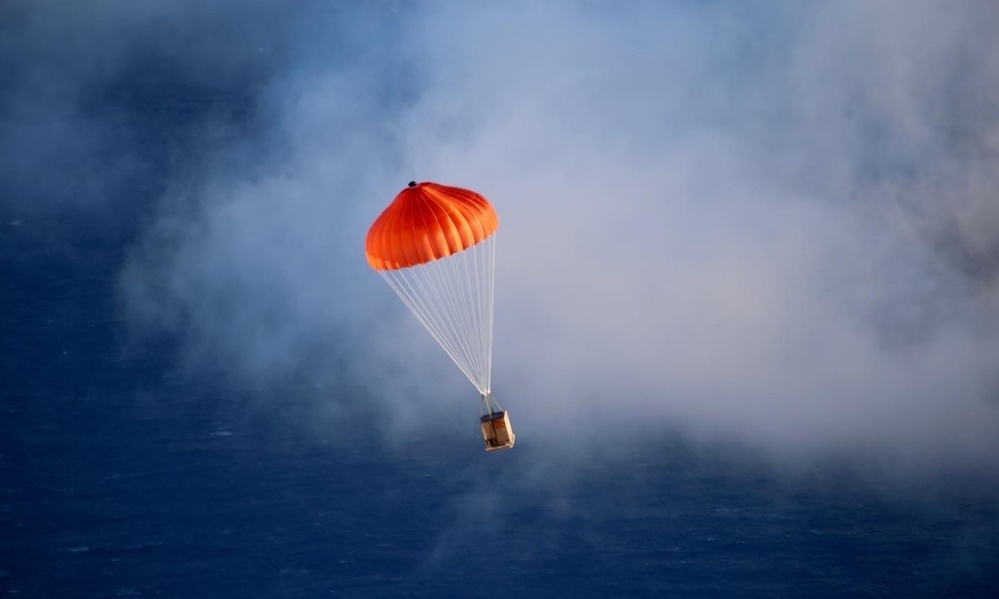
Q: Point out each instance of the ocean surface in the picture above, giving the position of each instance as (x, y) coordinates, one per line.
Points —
(123, 475)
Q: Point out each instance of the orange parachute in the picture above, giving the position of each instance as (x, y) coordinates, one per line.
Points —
(435, 245)
(427, 222)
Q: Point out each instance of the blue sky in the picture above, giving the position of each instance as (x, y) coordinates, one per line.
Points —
(771, 223)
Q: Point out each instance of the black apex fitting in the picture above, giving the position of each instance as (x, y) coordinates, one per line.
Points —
(412, 183)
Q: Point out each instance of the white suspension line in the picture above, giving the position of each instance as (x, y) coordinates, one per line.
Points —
(491, 295)
(444, 309)
(431, 327)
(457, 303)
(453, 299)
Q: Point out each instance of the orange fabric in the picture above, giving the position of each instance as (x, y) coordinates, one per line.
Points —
(428, 222)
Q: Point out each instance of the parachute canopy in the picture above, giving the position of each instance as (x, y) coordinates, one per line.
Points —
(435, 246)
(427, 222)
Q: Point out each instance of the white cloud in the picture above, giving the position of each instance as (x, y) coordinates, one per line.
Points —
(732, 219)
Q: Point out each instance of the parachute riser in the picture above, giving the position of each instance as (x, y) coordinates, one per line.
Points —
(489, 405)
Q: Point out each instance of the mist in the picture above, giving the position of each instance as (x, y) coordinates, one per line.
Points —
(769, 224)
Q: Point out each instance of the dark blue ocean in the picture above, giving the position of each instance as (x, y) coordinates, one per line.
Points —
(122, 477)
(124, 474)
